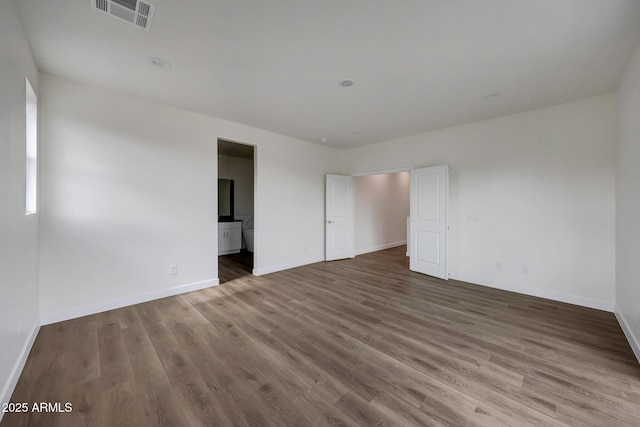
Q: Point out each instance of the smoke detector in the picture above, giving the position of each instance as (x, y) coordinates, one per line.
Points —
(136, 12)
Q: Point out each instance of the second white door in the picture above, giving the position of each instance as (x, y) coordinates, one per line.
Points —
(428, 221)
(339, 217)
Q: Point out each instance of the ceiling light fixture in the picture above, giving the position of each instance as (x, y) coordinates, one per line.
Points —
(347, 82)
(160, 63)
(492, 96)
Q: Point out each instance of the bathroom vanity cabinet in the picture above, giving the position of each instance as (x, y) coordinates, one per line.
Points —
(229, 237)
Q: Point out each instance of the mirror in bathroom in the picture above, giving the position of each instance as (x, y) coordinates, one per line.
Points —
(225, 200)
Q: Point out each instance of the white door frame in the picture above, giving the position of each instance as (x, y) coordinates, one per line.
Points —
(255, 195)
(382, 172)
(409, 169)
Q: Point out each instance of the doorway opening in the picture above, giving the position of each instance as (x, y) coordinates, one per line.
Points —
(381, 211)
(236, 210)
(365, 215)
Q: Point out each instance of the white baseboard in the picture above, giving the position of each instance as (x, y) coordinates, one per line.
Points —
(628, 332)
(380, 247)
(48, 318)
(541, 293)
(10, 386)
(267, 270)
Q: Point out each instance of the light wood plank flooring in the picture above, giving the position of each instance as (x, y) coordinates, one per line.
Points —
(235, 266)
(356, 342)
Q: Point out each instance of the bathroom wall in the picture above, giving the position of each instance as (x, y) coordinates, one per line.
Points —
(241, 171)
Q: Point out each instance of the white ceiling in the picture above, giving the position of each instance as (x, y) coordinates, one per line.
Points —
(418, 65)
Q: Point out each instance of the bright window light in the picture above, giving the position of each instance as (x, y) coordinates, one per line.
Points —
(31, 199)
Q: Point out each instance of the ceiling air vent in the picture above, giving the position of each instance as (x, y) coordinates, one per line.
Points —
(136, 12)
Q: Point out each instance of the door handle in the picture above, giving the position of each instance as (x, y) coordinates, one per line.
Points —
(329, 222)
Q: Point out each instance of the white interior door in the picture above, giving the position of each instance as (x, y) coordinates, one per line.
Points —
(428, 221)
(339, 227)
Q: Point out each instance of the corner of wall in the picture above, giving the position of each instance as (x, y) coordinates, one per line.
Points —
(10, 386)
(628, 204)
(634, 341)
(60, 316)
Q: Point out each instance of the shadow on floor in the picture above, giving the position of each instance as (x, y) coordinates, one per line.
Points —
(231, 267)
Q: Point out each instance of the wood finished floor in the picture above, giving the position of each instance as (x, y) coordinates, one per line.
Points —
(356, 342)
(235, 266)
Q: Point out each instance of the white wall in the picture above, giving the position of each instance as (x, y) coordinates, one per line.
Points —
(382, 208)
(241, 171)
(628, 205)
(130, 187)
(290, 192)
(18, 233)
(534, 189)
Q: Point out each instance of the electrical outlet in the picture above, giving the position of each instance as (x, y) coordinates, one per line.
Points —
(525, 269)
(173, 270)
(498, 266)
